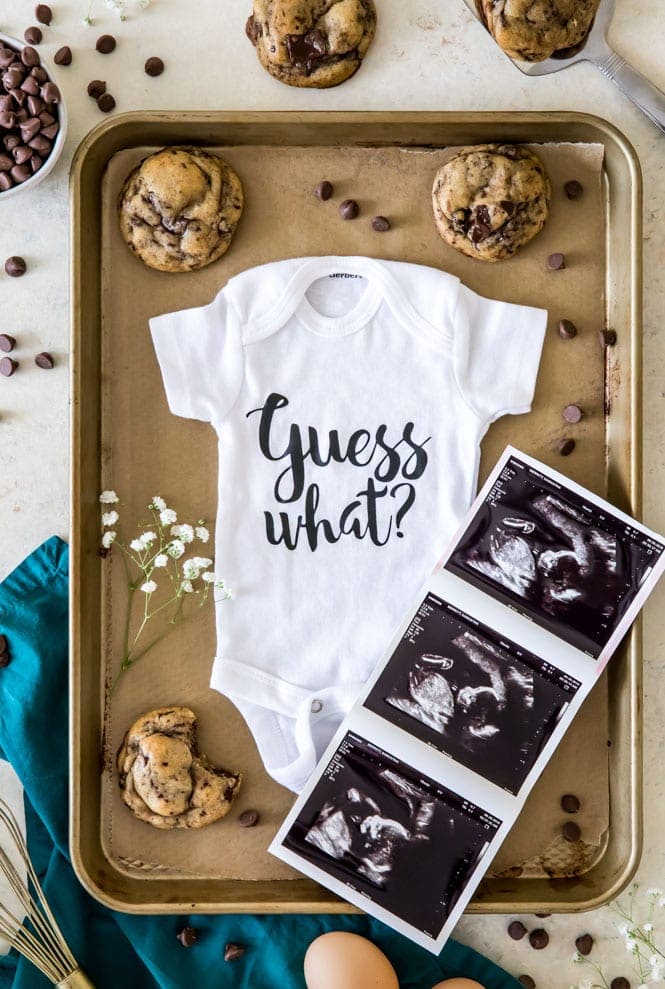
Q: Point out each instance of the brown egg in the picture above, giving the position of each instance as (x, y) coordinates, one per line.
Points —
(458, 983)
(340, 960)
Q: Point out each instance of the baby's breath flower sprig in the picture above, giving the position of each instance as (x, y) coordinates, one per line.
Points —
(158, 577)
(119, 8)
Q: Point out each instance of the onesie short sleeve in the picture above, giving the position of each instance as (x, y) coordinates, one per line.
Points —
(200, 355)
(496, 353)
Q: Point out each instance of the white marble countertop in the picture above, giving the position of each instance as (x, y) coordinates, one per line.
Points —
(427, 55)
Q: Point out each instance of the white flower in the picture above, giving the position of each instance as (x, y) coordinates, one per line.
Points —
(577, 958)
(654, 891)
(655, 961)
(184, 532)
(147, 538)
(661, 901)
(167, 516)
(176, 549)
(648, 928)
(190, 570)
(149, 587)
(157, 503)
(87, 21)
(137, 545)
(187, 586)
(108, 498)
(143, 4)
(586, 984)
(227, 590)
(109, 518)
(209, 577)
(161, 560)
(202, 533)
(201, 562)
(623, 929)
(108, 538)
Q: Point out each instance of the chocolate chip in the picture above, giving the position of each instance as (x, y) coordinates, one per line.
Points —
(248, 818)
(3, 643)
(5, 163)
(18, 96)
(6, 57)
(153, 66)
(187, 937)
(50, 131)
(40, 144)
(570, 803)
(4, 660)
(46, 118)
(20, 173)
(539, 939)
(32, 35)
(6, 181)
(35, 106)
(556, 262)
(30, 56)
(106, 103)
(7, 344)
(105, 44)
(542, 915)
(50, 93)
(8, 366)
(565, 447)
(39, 74)
(620, 983)
(573, 189)
(584, 944)
(233, 951)
(96, 88)
(36, 163)
(567, 329)
(21, 154)
(607, 338)
(10, 141)
(63, 56)
(571, 831)
(43, 13)
(7, 120)
(44, 360)
(573, 414)
(516, 930)
(380, 224)
(324, 190)
(526, 981)
(30, 127)
(15, 266)
(30, 86)
(349, 209)
(13, 77)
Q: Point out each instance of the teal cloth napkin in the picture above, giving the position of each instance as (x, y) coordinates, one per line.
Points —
(118, 949)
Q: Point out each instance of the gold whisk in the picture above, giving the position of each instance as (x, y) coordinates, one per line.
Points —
(42, 943)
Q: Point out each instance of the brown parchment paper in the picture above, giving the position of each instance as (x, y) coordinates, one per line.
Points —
(146, 452)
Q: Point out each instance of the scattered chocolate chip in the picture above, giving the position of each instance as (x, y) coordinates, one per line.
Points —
(233, 951)
(7, 367)
(32, 35)
(43, 13)
(324, 190)
(556, 262)
(153, 66)
(44, 360)
(7, 344)
(539, 939)
(349, 209)
(584, 944)
(106, 103)
(187, 937)
(607, 338)
(571, 831)
(248, 818)
(570, 803)
(517, 930)
(3, 643)
(380, 224)
(63, 56)
(620, 983)
(15, 266)
(96, 88)
(105, 44)
(50, 93)
(567, 329)
(542, 915)
(4, 660)
(30, 56)
(526, 981)
(565, 447)
(573, 189)
(573, 414)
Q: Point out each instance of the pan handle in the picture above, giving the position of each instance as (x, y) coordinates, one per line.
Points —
(646, 96)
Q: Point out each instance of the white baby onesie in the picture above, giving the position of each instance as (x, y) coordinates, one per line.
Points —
(349, 397)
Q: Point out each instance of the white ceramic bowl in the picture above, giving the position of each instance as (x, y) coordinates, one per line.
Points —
(59, 143)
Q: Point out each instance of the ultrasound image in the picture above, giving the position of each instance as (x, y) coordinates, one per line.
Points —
(567, 564)
(406, 842)
(481, 699)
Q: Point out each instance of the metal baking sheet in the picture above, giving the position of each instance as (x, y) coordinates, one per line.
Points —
(387, 158)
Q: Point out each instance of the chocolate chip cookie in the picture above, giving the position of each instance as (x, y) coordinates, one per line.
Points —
(491, 199)
(316, 43)
(179, 209)
(164, 780)
(533, 30)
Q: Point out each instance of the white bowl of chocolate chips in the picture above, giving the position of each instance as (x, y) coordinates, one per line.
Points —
(33, 119)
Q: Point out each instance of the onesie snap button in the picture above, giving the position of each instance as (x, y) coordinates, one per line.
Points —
(316, 707)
